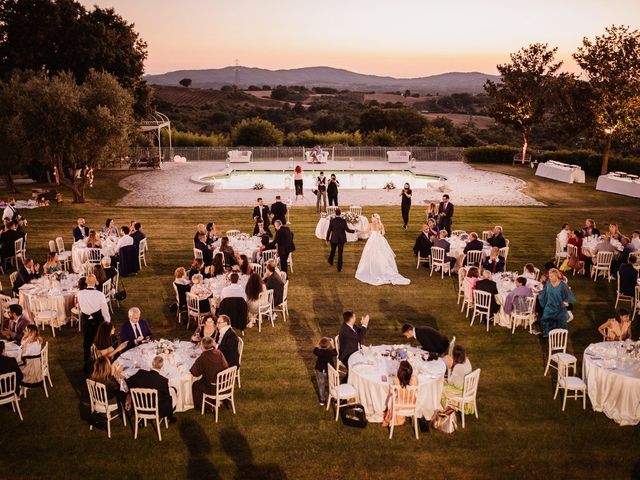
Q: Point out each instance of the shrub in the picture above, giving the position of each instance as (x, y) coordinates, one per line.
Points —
(189, 139)
(383, 138)
(491, 154)
(256, 132)
(308, 138)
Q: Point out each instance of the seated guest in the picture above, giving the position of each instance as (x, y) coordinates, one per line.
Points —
(255, 286)
(217, 267)
(575, 239)
(429, 338)
(81, 231)
(264, 243)
(473, 243)
(93, 240)
(635, 240)
(125, 239)
(351, 335)
(200, 230)
(422, 244)
(18, 322)
(230, 255)
(494, 262)
(8, 365)
(26, 273)
(211, 233)
(8, 240)
(496, 239)
(227, 341)
(109, 271)
(197, 267)
(154, 380)
(233, 289)
(103, 372)
(590, 228)
(30, 348)
(529, 271)
(563, 236)
(137, 234)
(515, 301)
(628, 277)
(486, 284)
(473, 275)
(443, 243)
(106, 343)
(623, 257)
(208, 328)
(110, 229)
(261, 231)
(245, 267)
(404, 378)
(273, 281)
(207, 366)
(207, 255)
(460, 367)
(101, 276)
(53, 264)
(202, 292)
(181, 277)
(613, 229)
(618, 328)
(604, 245)
(136, 330)
(433, 228)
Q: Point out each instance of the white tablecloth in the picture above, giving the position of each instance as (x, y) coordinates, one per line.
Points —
(562, 173)
(613, 381)
(176, 368)
(457, 245)
(11, 349)
(79, 252)
(368, 367)
(58, 295)
(505, 281)
(361, 227)
(244, 245)
(622, 186)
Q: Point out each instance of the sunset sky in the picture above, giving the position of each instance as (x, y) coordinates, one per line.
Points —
(402, 38)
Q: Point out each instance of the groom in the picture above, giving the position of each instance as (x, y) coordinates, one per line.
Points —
(337, 236)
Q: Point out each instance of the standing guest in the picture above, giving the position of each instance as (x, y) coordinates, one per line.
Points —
(283, 241)
(30, 349)
(10, 211)
(403, 378)
(321, 192)
(279, 211)
(445, 213)
(137, 234)
(628, 277)
(260, 212)
(227, 341)
(273, 281)
(494, 262)
(207, 366)
(563, 236)
(486, 284)
(255, 286)
(405, 205)
(154, 380)
(8, 365)
(325, 352)
(332, 190)
(618, 328)
(351, 336)
(93, 240)
(207, 255)
(106, 343)
(211, 233)
(432, 213)
(125, 239)
(53, 264)
(135, 330)
(590, 228)
(423, 244)
(429, 338)
(297, 181)
(496, 239)
(515, 301)
(554, 300)
(337, 237)
(26, 273)
(233, 289)
(81, 231)
(8, 240)
(93, 311)
(110, 229)
(18, 322)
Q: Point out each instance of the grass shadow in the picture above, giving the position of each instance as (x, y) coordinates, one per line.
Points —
(236, 446)
(199, 446)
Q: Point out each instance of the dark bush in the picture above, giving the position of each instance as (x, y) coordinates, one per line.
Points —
(490, 154)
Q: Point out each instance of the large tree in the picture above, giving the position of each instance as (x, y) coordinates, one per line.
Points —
(53, 36)
(520, 99)
(611, 63)
(13, 140)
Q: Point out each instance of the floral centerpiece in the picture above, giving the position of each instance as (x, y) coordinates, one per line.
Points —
(258, 186)
(103, 236)
(400, 352)
(389, 186)
(165, 347)
(351, 218)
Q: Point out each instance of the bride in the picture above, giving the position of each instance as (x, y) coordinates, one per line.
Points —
(378, 262)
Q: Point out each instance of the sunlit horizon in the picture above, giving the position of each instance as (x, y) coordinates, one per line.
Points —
(412, 39)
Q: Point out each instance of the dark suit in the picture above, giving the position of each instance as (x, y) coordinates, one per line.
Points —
(207, 255)
(279, 212)
(350, 339)
(494, 267)
(284, 242)
(208, 364)
(497, 241)
(127, 334)
(8, 240)
(432, 340)
(474, 245)
(228, 345)
(442, 243)
(337, 235)
(153, 379)
(17, 328)
(274, 282)
(490, 286)
(422, 245)
(8, 365)
(80, 233)
(137, 236)
(445, 216)
(24, 277)
(628, 279)
(261, 213)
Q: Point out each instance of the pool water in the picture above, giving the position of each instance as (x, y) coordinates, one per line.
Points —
(352, 179)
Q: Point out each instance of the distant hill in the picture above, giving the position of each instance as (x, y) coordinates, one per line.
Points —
(444, 84)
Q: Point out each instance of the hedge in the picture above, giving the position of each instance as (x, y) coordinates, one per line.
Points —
(589, 160)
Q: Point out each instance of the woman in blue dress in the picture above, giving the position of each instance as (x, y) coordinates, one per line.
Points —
(554, 300)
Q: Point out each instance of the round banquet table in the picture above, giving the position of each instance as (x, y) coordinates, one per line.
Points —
(613, 381)
(506, 281)
(244, 244)
(360, 227)
(371, 373)
(176, 368)
(79, 252)
(457, 245)
(58, 295)
(11, 349)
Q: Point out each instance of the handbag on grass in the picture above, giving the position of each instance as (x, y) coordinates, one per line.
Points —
(444, 421)
(354, 416)
(122, 294)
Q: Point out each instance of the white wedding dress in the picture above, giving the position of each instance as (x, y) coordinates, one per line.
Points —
(378, 262)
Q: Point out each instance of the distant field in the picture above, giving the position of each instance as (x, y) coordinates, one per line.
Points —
(393, 98)
(481, 122)
(197, 97)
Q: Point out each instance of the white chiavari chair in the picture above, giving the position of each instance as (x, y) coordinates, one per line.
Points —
(145, 407)
(100, 404)
(225, 387)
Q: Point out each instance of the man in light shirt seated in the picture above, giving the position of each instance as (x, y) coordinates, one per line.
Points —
(234, 289)
(93, 311)
(604, 245)
(125, 239)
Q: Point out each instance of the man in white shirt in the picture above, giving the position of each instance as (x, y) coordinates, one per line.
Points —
(233, 290)
(563, 236)
(125, 239)
(635, 240)
(93, 311)
(10, 210)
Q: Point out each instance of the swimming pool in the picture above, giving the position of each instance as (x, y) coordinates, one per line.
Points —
(349, 179)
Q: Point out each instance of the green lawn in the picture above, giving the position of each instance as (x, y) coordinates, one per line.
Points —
(280, 431)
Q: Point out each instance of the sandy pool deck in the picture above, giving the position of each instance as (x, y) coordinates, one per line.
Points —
(172, 186)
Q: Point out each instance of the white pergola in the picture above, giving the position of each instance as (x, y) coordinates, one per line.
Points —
(156, 123)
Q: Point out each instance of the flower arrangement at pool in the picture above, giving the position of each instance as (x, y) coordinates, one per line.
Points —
(258, 186)
(389, 186)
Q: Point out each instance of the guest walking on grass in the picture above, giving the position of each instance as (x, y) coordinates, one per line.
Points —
(297, 182)
(405, 205)
(332, 190)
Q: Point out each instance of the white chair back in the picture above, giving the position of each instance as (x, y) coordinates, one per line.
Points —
(486, 234)
(470, 387)
(504, 253)
(333, 377)
(145, 403)
(604, 259)
(452, 344)
(482, 301)
(52, 246)
(97, 396)
(60, 244)
(13, 276)
(283, 275)
(474, 257)
(355, 209)
(143, 246)
(94, 256)
(558, 340)
(437, 255)
(257, 268)
(197, 254)
(331, 210)
(268, 255)
(44, 360)
(19, 246)
(7, 386)
(572, 251)
(240, 350)
(336, 341)
(232, 233)
(225, 383)
(404, 399)
(106, 288)
(193, 304)
(285, 292)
